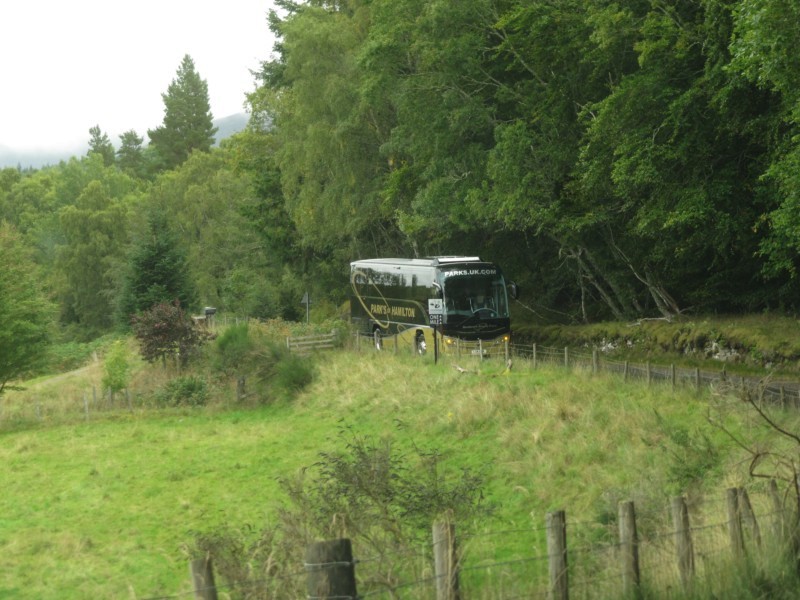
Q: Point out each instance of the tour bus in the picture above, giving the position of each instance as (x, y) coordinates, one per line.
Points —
(390, 298)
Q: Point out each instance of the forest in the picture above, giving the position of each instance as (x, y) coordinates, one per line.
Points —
(619, 159)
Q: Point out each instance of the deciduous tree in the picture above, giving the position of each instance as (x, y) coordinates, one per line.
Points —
(165, 330)
(26, 315)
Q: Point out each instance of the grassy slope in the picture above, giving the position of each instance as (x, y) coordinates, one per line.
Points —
(102, 509)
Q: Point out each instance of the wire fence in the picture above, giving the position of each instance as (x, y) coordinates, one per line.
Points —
(783, 393)
(713, 547)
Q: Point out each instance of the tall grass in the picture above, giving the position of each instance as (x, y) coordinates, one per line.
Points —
(110, 507)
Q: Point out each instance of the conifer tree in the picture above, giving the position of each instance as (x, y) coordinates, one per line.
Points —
(130, 156)
(100, 144)
(188, 122)
(158, 272)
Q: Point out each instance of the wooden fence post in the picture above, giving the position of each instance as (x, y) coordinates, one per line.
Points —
(445, 559)
(203, 579)
(557, 555)
(748, 516)
(625, 372)
(330, 570)
(779, 515)
(649, 374)
(683, 541)
(629, 549)
(672, 375)
(534, 356)
(507, 350)
(594, 361)
(566, 356)
(86, 406)
(735, 522)
(480, 348)
(697, 377)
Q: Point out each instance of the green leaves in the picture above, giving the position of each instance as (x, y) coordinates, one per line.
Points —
(26, 315)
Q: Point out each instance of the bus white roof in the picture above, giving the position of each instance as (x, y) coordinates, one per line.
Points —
(419, 262)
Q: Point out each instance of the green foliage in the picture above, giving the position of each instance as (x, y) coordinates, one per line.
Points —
(89, 260)
(130, 156)
(226, 259)
(66, 355)
(116, 368)
(188, 122)
(232, 349)
(100, 144)
(188, 390)
(693, 455)
(619, 160)
(26, 315)
(645, 155)
(369, 491)
(284, 374)
(157, 272)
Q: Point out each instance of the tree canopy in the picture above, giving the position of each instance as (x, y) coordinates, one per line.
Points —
(644, 153)
(618, 159)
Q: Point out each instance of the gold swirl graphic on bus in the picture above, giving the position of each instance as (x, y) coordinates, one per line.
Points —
(382, 308)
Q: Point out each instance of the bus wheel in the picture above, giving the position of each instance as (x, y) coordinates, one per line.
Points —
(419, 344)
(378, 338)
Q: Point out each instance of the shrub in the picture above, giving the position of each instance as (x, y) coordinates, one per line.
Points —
(116, 369)
(166, 330)
(293, 373)
(384, 499)
(284, 374)
(183, 391)
(232, 349)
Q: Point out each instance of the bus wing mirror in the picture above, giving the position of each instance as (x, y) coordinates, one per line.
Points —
(438, 289)
(513, 290)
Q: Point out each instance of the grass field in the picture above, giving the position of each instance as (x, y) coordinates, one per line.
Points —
(109, 507)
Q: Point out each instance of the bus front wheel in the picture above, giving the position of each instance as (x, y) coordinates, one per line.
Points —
(378, 339)
(419, 343)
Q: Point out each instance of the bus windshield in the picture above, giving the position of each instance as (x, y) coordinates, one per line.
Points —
(481, 295)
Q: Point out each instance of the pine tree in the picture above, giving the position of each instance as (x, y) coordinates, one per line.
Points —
(188, 122)
(158, 273)
(100, 144)
(130, 156)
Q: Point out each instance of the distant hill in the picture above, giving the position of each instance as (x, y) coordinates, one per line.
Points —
(9, 157)
(227, 126)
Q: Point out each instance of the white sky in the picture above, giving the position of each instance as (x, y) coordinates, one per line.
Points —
(67, 65)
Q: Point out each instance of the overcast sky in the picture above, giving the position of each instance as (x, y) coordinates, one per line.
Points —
(67, 65)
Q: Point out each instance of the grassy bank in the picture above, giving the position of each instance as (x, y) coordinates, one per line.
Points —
(743, 343)
(110, 506)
